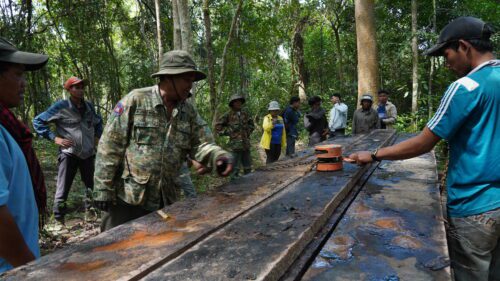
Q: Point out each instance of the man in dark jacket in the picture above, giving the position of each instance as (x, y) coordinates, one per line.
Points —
(291, 118)
(315, 122)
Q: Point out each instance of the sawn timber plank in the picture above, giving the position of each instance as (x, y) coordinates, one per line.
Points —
(394, 229)
(132, 250)
(261, 244)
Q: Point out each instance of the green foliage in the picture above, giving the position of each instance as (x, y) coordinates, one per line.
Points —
(113, 44)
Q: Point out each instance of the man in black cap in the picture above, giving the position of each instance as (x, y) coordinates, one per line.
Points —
(22, 186)
(150, 134)
(468, 118)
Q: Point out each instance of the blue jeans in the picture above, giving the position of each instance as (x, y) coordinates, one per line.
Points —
(475, 246)
(290, 145)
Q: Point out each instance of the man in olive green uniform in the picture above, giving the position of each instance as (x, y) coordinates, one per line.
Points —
(238, 125)
(147, 138)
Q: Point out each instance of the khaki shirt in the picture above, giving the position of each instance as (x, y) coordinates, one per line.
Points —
(364, 121)
(141, 152)
(392, 114)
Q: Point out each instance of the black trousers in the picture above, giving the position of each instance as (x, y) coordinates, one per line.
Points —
(273, 153)
(67, 166)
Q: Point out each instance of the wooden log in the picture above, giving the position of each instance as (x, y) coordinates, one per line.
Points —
(132, 250)
(308, 255)
(393, 231)
(262, 244)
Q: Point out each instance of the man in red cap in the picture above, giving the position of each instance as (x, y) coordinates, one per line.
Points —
(77, 128)
(22, 186)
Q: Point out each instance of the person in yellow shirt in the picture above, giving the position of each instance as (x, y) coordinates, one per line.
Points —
(274, 137)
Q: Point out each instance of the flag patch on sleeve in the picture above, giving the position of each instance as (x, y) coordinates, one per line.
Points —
(118, 109)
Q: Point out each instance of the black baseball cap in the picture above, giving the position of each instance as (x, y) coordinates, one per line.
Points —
(460, 28)
(31, 61)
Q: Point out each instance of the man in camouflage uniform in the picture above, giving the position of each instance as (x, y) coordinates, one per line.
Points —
(238, 125)
(147, 138)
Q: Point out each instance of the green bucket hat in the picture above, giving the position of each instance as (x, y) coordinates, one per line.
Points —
(31, 61)
(177, 62)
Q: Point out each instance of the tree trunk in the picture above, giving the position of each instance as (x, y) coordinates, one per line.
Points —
(367, 49)
(210, 56)
(298, 62)
(185, 23)
(158, 31)
(433, 65)
(177, 26)
(224, 55)
(414, 49)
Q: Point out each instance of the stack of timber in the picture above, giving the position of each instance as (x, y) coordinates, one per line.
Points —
(253, 228)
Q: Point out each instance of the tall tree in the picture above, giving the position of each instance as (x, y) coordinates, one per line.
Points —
(177, 25)
(432, 65)
(367, 49)
(414, 50)
(210, 55)
(158, 30)
(229, 41)
(300, 75)
(182, 26)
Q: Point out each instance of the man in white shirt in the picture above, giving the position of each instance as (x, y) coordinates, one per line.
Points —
(338, 117)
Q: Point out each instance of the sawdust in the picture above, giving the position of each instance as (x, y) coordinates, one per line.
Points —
(83, 267)
(142, 238)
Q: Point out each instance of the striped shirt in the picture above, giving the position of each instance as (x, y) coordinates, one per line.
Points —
(469, 118)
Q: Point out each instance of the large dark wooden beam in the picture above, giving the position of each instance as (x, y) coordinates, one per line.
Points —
(393, 230)
(264, 242)
(132, 250)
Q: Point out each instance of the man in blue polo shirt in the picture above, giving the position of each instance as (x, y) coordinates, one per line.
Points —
(469, 118)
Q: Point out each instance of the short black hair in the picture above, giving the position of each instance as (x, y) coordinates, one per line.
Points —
(337, 95)
(382, 91)
(294, 99)
(313, 100)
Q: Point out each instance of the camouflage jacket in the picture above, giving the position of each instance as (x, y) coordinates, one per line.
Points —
(141, 151)
(238, 126)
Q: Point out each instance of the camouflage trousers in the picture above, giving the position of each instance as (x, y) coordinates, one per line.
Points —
(184, 182)
(244, 158)
(120, 214)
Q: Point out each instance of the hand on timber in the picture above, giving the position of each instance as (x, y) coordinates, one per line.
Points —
(64, 143)
(102, 205)
(224, 166)
(362, 157)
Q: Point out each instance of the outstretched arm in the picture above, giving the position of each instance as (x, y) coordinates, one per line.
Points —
(413, 147)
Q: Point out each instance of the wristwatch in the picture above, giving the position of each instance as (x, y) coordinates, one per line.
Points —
(374, 155)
